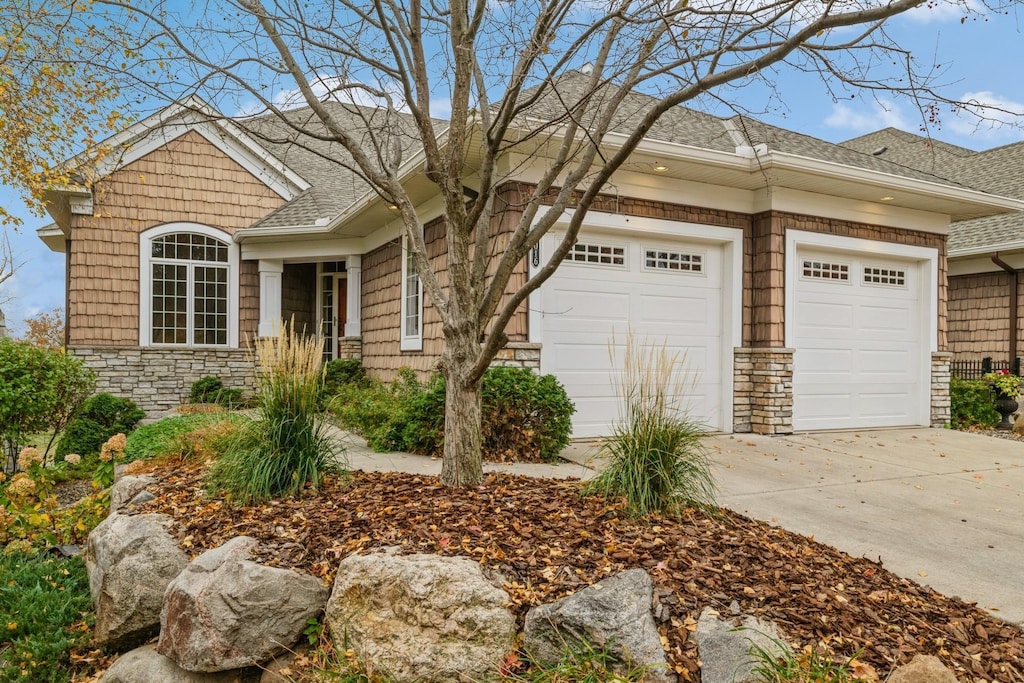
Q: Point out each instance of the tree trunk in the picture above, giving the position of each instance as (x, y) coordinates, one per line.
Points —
(462, 465)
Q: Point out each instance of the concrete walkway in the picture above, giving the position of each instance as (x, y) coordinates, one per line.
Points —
(940, 507)
(361, 457)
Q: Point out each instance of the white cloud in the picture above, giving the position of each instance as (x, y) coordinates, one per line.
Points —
(989, 117)
(329, 87)
(881, 114)
(935, 11)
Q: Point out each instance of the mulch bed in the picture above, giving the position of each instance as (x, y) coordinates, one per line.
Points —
(545, 542)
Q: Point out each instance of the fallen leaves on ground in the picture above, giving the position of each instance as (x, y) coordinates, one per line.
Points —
(543, 541)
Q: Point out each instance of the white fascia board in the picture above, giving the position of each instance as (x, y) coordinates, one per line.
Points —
(985, 249)
(193, 113)
(795, 162)
(807, 203)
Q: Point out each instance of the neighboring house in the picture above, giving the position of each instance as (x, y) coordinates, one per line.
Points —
(986, 254)
(805, 282)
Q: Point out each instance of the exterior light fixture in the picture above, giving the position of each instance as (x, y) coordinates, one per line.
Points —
(886, 198)
(660, 167)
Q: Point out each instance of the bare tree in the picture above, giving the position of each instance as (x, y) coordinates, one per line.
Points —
(579, 82)
(8, 267)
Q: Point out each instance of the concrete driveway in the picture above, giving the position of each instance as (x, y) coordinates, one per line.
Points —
(941, 507)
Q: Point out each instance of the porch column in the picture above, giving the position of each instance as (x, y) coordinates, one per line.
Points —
(270, 296)
(354, 268)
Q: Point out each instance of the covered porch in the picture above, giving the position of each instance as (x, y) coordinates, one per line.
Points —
(317, 296)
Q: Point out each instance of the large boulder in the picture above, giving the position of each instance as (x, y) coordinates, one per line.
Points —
(226, 612)
(421, 618)
(126, 488)
(613, 614)
(146, 665)
(130, 559)
(726, 646)
(923, 669)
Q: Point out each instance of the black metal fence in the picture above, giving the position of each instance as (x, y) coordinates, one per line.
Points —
(974, 369)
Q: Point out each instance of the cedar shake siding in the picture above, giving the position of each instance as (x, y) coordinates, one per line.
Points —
(979, 316)
(381, 308)
(186, 180)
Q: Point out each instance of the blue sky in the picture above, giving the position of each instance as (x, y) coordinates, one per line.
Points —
(982, 60)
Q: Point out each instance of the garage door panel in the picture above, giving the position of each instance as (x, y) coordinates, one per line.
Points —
(831, 362)
(858, 347)
(881, 362)
(681, 311)
(673, 309)
(587, 304)
(824, 314)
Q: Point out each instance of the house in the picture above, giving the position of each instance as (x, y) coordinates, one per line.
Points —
(806, 282)
(986, 254)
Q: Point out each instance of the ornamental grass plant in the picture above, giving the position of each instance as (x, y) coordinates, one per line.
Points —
(655, 457)
(288, 446)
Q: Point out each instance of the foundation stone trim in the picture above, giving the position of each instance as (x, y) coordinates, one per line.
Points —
(763, 390)
(518, 355)
(158, 380)
(940, 406)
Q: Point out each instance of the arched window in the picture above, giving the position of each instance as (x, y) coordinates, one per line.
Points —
(189, 288)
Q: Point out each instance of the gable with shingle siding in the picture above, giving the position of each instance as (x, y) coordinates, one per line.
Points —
(187, 180)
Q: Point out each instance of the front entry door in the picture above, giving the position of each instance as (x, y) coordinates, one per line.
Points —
(333, 311)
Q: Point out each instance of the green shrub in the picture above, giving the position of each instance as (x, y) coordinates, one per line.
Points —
(40, 390)
(377, 410)
(41, 598)
(656, 459)
(100, 417)
(168, 436)
(212, 390)
(526, 417)
(288, 446)
(341, 372)
(971, 404)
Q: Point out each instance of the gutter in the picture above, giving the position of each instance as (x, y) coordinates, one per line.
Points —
(1014, 314)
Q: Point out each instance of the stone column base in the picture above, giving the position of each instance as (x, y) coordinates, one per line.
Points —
(518, 355)
(940, 409)
(763, 390)
(350, 347)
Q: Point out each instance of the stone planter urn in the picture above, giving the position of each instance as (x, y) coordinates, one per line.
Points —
(1006, 407)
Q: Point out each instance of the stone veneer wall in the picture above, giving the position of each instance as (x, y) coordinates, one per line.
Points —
(763, 391)
(350, 347)
(159, 379)
(940, 408)
(518, 355)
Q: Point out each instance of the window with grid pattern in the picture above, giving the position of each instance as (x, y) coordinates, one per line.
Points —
(189, 290)
(597, 254)
(823, 270)
(885, 276)
(660, 259)
(413, 293)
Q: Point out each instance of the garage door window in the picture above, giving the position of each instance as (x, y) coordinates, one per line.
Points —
(885, 276)
(677, 261)
(824, 270)
(597, 254)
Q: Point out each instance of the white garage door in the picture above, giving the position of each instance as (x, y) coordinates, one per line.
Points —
(666, 292)
(858, 342)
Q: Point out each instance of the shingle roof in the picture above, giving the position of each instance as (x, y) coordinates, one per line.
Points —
(325, 165)
(999, 171)
(335, 185)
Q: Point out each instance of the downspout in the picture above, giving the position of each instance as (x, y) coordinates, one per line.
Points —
(1014, 282)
